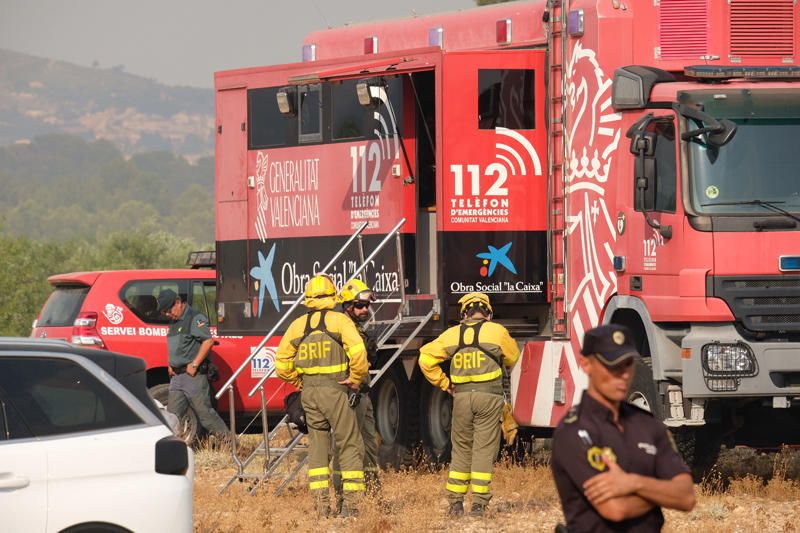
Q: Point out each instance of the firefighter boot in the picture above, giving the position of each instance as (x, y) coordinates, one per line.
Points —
(478, 509)
(456, 509)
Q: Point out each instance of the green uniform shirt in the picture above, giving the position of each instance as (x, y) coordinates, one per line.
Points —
(185, 336)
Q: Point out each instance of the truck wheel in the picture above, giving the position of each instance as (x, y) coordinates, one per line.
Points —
(436, 415)
(643, 393)
(188, 424)
(395, 417)
(700, 448)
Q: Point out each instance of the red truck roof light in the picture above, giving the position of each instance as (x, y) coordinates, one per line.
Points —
(84, 330)
(503, 31)
(371, 45)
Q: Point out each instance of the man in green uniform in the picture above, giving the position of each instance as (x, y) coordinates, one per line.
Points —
(323, 354)
(356, 298)
(479, 349)
(189, 343)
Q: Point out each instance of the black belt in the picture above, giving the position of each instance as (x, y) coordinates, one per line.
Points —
(202, 369)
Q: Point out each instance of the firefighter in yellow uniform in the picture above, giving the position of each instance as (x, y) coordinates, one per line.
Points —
(478, 348)
(323, 354)
(356, 298)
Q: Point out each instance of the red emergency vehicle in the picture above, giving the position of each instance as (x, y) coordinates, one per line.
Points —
(580, 161)
(116, 310)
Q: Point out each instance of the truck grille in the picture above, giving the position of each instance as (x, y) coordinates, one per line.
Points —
(761, 304)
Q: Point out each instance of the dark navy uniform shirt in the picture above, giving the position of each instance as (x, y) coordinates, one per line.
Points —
(185, 336)
(585, 433)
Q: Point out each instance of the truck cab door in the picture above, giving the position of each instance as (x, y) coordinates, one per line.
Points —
(492, 193)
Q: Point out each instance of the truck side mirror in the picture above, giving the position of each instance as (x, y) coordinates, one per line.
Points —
(645, 175)
(643, 144)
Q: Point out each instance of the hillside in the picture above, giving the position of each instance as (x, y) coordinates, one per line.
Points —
(60, 187)
(40, 96)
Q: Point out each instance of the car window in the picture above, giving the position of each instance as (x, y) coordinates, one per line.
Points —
(11, 424)
(141, 297)
(204, 299)
(55, 396)
(63, 305)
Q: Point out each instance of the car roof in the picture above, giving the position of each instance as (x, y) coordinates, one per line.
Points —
(89, 278)
(128, 370)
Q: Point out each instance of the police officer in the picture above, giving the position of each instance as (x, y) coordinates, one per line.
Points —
(356, 298)
(615, 465)
(323, 354)
(189, 343)
(478, 349)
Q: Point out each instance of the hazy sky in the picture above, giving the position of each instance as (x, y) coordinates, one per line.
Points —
(182, 42)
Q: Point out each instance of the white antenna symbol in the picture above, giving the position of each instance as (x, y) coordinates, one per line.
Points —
(382, 134)
(514, 155)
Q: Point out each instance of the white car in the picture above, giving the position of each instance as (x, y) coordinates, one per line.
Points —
(83, 447)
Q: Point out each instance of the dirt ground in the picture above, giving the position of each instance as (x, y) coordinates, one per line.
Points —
(525, 500)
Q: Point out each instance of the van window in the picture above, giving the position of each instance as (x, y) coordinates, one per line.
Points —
(62, 306)
(204, 299)
(55, 396)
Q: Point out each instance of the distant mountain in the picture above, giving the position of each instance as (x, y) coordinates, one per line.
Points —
(39, 96)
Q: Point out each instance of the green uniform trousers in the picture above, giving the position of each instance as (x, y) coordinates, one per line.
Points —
(365, 417)
(327, 412)
(187, 391)
(475, 437)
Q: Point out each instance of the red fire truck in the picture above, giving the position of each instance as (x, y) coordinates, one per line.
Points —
(580, 161)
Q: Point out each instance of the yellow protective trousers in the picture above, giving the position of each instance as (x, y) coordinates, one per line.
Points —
(475, 437)
(327, 413)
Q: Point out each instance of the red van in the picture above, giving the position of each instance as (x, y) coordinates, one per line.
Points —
(117, 310)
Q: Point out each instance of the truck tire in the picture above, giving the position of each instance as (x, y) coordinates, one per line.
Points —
(188, 424)
(396, 417)
(436, 410)
(698, 446)
(643, 392)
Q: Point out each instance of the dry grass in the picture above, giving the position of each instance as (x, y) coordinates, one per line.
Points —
(525, 500)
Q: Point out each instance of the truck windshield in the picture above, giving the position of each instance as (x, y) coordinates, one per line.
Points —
(759, 166)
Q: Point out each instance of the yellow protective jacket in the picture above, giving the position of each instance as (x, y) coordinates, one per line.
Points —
(333, 349)
(475, 361)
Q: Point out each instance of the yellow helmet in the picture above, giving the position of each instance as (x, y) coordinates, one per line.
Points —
(320, 286)
(355, 289)
(475, 299)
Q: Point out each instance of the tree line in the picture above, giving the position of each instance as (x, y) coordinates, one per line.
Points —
(70, 205)
(61, 187)
(26, 264)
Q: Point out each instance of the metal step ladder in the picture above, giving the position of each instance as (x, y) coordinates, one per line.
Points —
(557, 160)
(293, 443)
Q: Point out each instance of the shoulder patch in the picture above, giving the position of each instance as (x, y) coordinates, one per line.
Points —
(200, 323)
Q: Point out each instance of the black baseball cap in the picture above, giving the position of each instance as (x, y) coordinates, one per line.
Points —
(166, 299)
(611, 344)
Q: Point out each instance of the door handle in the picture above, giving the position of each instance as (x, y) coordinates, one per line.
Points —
(9, 481)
